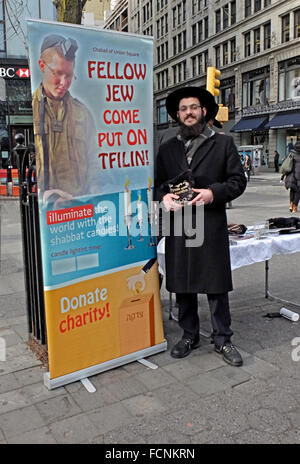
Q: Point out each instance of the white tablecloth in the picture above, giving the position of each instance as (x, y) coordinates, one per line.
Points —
(249, 251)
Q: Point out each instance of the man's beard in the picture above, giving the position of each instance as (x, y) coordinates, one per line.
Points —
(190, 132)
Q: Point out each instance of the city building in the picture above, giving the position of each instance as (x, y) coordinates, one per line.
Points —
(15, 91)
(118, 18)
(255, 44)
(95, 12)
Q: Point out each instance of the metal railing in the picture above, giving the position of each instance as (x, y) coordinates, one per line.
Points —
(30, 229)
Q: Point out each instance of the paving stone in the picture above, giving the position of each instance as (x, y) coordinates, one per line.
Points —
(40, 436)
(230, 375)
(206, 384)
(37, 392)
(76, 429)
(30, 375)
(12, 400)
(155, 378)
(127, 388)
(19, 421)
(91, 401)
(143, 405)
(110, 417)
(57, 408)
(8, 382)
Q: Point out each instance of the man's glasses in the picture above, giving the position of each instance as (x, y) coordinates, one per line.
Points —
(59, 75)
(184, 109)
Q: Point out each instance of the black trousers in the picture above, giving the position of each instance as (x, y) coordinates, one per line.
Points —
(188, 318)
(294, 197)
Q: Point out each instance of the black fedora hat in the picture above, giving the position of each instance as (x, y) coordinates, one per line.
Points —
(204, 96)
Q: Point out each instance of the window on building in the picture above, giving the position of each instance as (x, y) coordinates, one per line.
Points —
(233, 12)
(174, 45)
(257, 40)
(247, 8)
(297, 24)
(194, 7)
(218, 56)
(179, 13)
(227, 94)
(194, 66)
(158, 29)
(233, 50)
(257, 5)
(184, 10)
(206, 27)
(162, 115)
(194, 34)
(267, 36)
(289, 79)
(200, 31)
(247, 39)
(225, 54)
(174, 17)
(256, 87)
(267, 3)
(218, 20)
(285, 28)
(225, 16)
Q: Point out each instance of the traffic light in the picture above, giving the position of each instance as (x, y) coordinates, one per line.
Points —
(222, 115)
(213, 81)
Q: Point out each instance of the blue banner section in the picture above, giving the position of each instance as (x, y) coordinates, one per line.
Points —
(96, 234)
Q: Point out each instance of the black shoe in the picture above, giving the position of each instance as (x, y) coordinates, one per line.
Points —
(230, 354)
(184, 347)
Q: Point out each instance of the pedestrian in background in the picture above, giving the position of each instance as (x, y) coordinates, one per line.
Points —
(276, 161)
(248, 167)
(292, 180)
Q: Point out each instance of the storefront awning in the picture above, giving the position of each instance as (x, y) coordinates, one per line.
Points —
(285, 120)
(250, 124)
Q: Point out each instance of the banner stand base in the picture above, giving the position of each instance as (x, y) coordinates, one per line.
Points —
(98, 368)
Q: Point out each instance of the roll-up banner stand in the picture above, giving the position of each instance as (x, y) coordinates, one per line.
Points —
(92, 110)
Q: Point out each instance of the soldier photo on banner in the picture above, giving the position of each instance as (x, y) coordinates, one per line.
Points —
(64, 127)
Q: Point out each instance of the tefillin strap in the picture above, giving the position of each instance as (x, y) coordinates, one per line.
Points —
(44, 143)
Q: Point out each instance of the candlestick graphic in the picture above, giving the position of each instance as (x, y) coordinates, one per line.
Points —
(150, 210)
(140, 216)
(128, 213)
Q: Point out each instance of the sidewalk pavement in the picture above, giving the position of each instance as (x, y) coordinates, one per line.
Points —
(198, 399)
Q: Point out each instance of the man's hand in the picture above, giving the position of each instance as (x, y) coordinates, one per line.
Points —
(205, 197)
(59, 196)
(169, 203)
(136, 282)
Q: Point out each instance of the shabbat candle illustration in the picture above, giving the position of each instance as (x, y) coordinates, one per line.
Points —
(128, 213)
(140, 216)
(150, 210)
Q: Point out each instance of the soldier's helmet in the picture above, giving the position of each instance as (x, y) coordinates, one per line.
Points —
(68, 46)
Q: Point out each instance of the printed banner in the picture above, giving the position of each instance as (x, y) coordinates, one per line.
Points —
(92, 110)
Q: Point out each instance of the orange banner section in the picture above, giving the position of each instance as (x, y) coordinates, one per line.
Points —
(15, 182)
(3, 181)
(101, 319)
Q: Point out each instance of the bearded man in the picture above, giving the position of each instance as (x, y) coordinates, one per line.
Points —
(212, 163)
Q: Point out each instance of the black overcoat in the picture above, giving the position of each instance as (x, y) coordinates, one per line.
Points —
(215, 165)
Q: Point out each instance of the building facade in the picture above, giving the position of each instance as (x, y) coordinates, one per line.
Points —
(15, 91)
(255, 44)
(95, 12)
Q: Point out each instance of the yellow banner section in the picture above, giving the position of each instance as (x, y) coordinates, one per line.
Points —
(101, 319)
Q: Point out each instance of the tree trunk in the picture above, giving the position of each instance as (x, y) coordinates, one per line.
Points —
(69, 11)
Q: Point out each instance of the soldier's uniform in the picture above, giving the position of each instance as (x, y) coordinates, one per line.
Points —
(69, 132)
